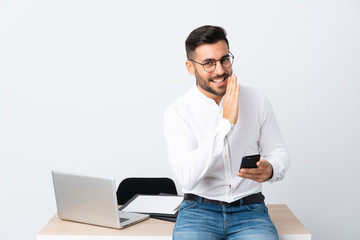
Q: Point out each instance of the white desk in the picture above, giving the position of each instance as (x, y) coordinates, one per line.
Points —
(288, 226)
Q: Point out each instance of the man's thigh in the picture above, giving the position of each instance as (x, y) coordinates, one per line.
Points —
(212, 222)
(196, 221)
(252, 222)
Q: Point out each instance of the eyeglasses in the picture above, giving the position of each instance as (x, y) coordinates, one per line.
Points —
(210, 65)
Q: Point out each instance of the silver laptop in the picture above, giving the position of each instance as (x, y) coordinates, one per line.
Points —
(91, 200)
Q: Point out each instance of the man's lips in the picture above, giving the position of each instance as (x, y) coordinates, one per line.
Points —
(218, 80)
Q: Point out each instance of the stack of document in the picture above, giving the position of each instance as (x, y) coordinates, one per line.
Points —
(163, 207)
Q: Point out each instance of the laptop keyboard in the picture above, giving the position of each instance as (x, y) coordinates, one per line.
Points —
(123, 219)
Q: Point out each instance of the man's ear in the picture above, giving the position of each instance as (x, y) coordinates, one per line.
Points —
(190, 67)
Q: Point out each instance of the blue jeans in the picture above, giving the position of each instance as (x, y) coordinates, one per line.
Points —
(209, 221)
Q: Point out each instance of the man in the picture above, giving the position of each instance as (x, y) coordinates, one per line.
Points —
(208, 130)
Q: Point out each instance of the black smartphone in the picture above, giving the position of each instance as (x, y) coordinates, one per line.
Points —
(250, 161)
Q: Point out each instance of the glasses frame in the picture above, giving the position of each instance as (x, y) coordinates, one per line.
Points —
(219, 60)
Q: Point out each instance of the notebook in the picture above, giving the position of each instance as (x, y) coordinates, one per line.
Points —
(162, 206)
(91, 200)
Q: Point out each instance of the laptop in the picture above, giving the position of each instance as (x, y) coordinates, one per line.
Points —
(91, 200)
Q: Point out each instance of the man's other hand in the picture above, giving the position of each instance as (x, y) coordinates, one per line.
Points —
(231, 100)
(262, 173)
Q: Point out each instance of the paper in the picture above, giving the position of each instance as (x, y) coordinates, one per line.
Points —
(154, 204)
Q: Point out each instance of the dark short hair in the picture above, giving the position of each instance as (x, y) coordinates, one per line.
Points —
(204, 34)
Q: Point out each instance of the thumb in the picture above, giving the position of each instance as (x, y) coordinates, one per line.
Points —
(262, 163)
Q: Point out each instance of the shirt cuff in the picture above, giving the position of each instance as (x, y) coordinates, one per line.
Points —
(227, 126)
(275, 167)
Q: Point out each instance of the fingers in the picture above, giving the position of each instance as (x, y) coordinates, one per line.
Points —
(232, 81)
(234, 88)
(237, 92)
(251, 171)
(229, 87)
(258, 178)
(230, 107)
(261, 174)
(253, 174)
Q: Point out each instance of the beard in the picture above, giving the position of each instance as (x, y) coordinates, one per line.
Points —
(204, 83)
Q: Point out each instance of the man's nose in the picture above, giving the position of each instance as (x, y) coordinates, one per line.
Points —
(219, 70)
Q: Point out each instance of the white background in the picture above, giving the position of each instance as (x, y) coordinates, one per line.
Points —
(83, 86)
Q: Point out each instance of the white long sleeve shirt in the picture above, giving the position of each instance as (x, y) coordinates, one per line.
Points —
(205, 150)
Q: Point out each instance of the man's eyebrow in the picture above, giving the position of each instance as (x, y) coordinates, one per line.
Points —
(208, 59)
(212, 59)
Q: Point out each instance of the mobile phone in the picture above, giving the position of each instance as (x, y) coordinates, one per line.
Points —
(250, 161)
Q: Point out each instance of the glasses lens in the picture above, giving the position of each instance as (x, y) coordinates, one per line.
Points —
(226, 62)
(209, 66)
